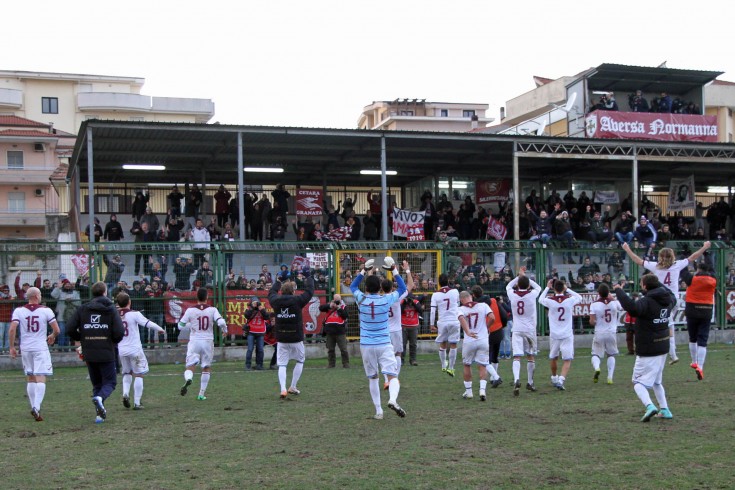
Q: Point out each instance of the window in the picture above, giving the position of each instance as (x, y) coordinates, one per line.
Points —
(50, 105)
(16, 202)
(444, 113)
(137, 118)
(15, 159)
(405, 113)
(468, 113)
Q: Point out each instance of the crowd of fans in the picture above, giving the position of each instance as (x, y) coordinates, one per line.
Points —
(638, 103)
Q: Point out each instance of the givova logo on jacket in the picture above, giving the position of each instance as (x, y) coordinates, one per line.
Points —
(663, 317)
(286, 313)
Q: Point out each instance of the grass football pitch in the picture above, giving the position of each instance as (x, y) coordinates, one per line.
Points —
(244, 436)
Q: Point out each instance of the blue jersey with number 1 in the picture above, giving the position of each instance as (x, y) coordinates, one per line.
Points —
(374, 310)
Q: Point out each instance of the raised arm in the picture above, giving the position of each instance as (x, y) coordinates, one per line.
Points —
(699, 252)
(632, 254)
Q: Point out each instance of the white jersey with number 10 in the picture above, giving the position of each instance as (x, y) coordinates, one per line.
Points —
(201, 320)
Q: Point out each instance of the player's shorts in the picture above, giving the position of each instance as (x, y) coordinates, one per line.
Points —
(605, 343)
(477, 352)
(37, 363)
(649, 370)
(290, 351)
(135, 363)
(565, 347)
(200, 352)
(396, 340)
(523, 343)
(447, 333)
(378, 358)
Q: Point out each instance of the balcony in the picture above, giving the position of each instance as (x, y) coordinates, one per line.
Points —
(35, 217)
(100, 101)
(10, 98)
(26, 176)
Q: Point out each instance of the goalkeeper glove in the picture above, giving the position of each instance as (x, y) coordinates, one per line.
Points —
(369, 264)
(389, 263)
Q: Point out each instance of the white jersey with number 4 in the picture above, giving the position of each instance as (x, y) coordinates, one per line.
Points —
(523, 306)
(444, 307)
(33, 322)
(201, 320)
(606, 315)
(476, 316)
(130, 344)
(561, 313)
(668, 277)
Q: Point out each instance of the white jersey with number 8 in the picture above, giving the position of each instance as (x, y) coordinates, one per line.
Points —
(523, 306)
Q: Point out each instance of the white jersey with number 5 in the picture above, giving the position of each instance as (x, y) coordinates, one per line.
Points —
(33, 322)
(201, 320)
(561, 313)
(130, 344)
(606, 315)
(523, 306)
(444, 307)
(668, 277)
(476, 316)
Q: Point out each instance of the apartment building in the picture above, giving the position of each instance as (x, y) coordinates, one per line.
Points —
(420, 115)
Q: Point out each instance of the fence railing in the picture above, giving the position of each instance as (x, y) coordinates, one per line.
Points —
(161, 277)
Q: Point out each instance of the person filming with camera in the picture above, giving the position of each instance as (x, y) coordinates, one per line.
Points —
(257, 317)
(335, 331)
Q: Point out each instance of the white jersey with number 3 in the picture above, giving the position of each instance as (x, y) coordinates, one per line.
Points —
(668, 277)
(523, 306)
(394, 315)
(606, 315)
(444, 307)
(201, 320)
(33, 322)
(130, 344)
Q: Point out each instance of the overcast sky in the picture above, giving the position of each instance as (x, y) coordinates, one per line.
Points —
(317, 63)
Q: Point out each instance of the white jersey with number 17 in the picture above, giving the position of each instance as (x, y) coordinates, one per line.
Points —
(523, 306)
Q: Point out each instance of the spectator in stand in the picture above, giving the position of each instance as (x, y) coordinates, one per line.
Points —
(608, 102)
(691, 108)
(191, 212)
(646, 235)
(371, 226)
(265, 212)
(335, 331)
(264, 274)
(588, 267)
(348, 208)
(20, 291)
(248, 210)
(664, 103)
(201, 239)
(46, 290)
(355, 228)
(214, 231)
(174, 200)
(427, 205)
(150, 219)
(624, 228)
(205, 275)
(542, 224)
(280, 198)
(97, 231)
(234, 210)
(6, 311)
(615, 264)
(699, 234)
(113, 230)
(115, 269)
(598, 232)
(256, 223)
(663, 236)
(375, 206)
(67, 300)
(332, 214)
(147, 236)
(154, 308)
(222, 205)
(570, 202)
(140, 202)
(637, 102)
(533, 200)
(183, 269)
(278, 234)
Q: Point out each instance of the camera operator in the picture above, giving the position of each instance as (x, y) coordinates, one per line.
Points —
(335, 330)
(637, 102)
(257, 317)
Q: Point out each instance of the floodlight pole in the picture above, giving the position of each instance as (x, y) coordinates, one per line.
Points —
(383, 192)
(240, 186)
(636, 197)
(516, 195)
(90, 183)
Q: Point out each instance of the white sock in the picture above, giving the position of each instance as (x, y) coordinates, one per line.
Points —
(693, 351)
(399, 363)
(452, 357)
(139, 390)
(31, 390)
(530, 368)
(596, 363)
(297, 370)
(643, 394)
(561, 379)
(40, 392)
(701, 355)
(492, 372)
(672, 346)
(516, 370)
(468, 387)
(443, 358)
(204, 383)
(394, 386)
(127, 381)
(374, 384)
(495, 367)
(188, 375)
(282, 377)
(610, 367)
(483, 384)
(658, 390)
(554, 379)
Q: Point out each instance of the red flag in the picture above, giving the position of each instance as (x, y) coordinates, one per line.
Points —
(496, 229)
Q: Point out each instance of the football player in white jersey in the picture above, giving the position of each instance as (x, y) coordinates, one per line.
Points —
(475, 318)
(604, 314)
(522, 293)
(33, 320)
(394, 319)
(444, 320)
(667, 271)
(561, 327)
(201, 320)
(133, 360)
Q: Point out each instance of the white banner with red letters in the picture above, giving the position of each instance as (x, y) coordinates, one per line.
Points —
(406, 222)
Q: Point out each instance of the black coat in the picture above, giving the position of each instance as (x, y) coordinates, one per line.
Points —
(98, 326)
(652, 313)
(288, 321)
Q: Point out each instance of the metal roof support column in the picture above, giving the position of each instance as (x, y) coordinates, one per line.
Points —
(203, 213)
(240, 186)
(383, 191)
(516, 195)
(90, 185)
(636, 197)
